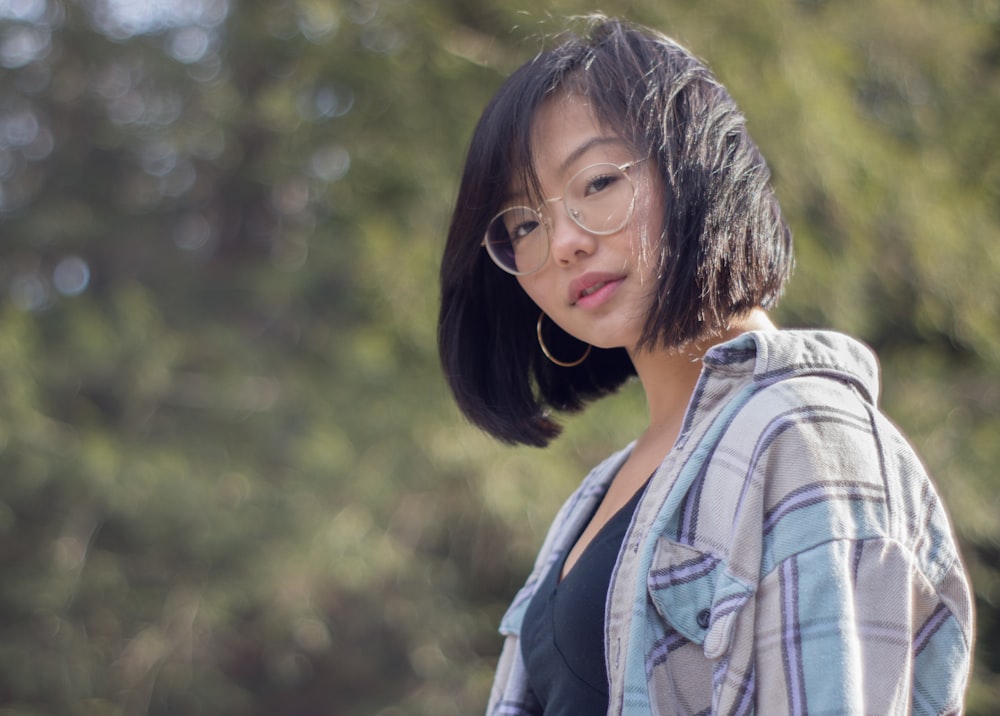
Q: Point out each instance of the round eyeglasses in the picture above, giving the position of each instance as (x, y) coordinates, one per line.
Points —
(599, 198)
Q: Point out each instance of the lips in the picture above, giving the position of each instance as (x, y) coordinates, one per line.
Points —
(589, 284)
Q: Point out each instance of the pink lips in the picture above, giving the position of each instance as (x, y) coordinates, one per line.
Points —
(593, 288)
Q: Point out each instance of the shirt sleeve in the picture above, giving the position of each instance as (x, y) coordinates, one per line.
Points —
(511, 695)
(854, 627)
(862, 605)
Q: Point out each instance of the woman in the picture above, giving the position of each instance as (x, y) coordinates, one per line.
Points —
(770, 543)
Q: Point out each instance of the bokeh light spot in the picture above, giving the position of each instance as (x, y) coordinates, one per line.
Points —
(71, 276)
(189, 44)
(19, 128)
(30, 293)
(23, 10)
(192, 232)
(22, 45)
(330, 163)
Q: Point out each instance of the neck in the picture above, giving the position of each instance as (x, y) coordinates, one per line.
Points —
(669, 376)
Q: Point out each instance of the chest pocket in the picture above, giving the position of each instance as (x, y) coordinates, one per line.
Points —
(694, 594)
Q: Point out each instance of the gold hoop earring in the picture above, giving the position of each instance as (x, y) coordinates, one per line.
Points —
(545, 350)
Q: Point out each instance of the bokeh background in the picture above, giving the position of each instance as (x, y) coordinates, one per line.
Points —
(232, 481)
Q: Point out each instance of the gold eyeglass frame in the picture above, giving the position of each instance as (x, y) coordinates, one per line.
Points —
(546, 225)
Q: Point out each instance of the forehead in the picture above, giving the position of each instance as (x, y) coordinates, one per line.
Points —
(566, 135)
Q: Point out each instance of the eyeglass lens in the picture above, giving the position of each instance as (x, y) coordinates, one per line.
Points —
(599, 199)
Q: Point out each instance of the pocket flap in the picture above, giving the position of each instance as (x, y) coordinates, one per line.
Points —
(695, 595)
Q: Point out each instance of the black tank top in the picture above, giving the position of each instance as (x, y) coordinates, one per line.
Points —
(562, 635)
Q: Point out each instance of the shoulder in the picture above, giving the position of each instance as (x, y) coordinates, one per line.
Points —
(809, 458)
(814, 402)
(814, 391)
(823, 464)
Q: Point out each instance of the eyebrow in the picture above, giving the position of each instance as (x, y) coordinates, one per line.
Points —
(586, 147)
(598, 141)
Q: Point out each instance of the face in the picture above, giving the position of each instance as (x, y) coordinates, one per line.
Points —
(595, 287)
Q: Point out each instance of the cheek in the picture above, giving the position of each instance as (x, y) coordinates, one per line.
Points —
(533, 287)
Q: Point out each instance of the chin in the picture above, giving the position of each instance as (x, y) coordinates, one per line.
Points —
(609, 343)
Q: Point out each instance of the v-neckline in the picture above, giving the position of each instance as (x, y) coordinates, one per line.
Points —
(629, 505)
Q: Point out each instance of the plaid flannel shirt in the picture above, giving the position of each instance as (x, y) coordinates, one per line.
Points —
(790, 554)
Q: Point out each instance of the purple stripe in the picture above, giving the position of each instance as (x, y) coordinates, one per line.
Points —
(767, 436)
(859, 548)
(744, 702)
(690, 508)
(662, 648)
(730, 604)
(816, 493)
(791, 637)
(883, 472)
(693, 409)
(684, 572)
(930, 627)
(748, 689)
(813, 414)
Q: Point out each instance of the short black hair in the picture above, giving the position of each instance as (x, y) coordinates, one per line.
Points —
(725, 247)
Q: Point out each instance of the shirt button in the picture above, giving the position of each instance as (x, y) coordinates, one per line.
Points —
(704, 617)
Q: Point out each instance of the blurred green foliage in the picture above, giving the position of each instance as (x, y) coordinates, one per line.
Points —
(231, 478)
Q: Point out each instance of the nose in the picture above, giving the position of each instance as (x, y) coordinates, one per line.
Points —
(569, 241)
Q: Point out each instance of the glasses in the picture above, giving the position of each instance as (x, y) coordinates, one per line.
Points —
(599, 198)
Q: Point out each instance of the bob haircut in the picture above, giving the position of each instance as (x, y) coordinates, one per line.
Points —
(725, 248)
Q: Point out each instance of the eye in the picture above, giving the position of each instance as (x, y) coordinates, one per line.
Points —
(600, 183)
(520, 226)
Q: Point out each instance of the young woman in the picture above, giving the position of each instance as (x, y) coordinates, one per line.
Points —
(770, 543)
